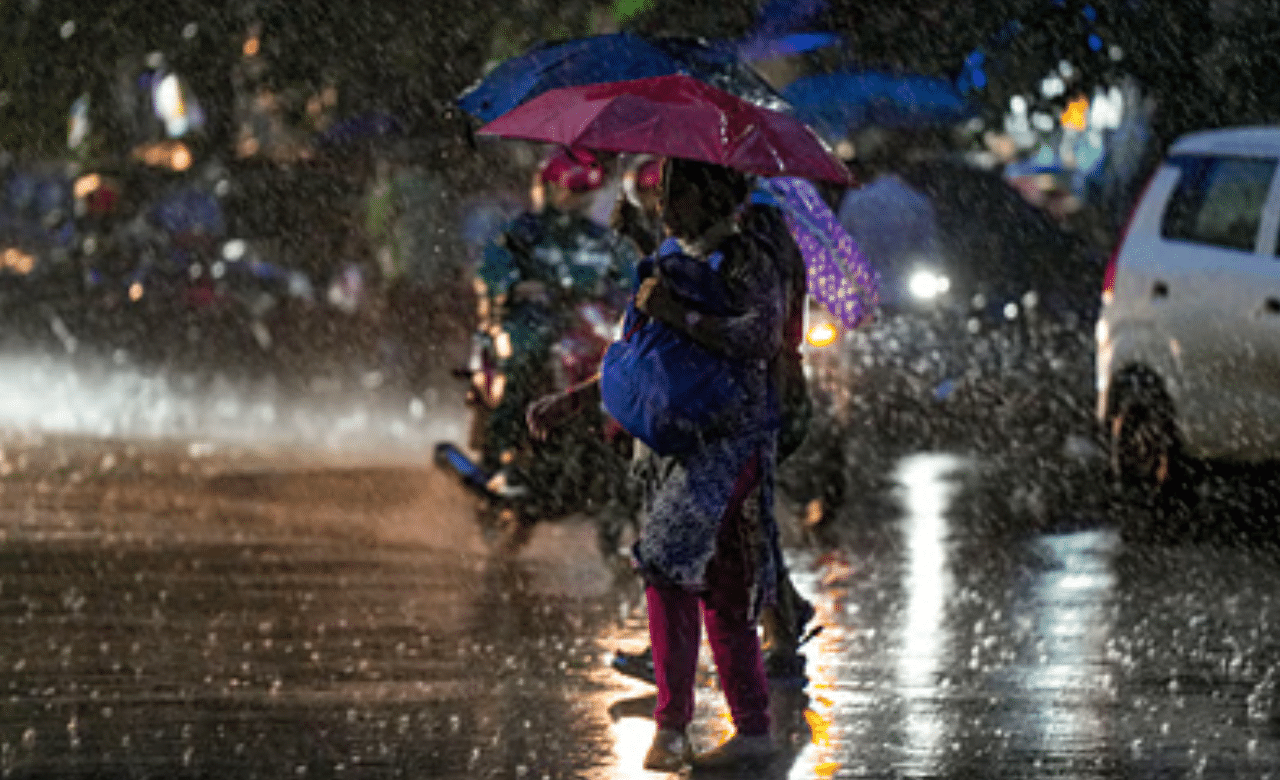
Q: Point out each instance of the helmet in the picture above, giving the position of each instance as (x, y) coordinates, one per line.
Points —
(577, 170)
(648, 174)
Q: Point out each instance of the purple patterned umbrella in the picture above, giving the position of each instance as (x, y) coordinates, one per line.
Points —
(840, 276)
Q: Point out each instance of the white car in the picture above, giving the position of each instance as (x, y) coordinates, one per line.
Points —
(1188, 338)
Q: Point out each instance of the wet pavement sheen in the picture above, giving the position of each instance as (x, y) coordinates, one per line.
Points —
(171, 616)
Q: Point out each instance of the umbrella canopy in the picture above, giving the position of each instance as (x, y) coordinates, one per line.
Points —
(673, 116)
(843, 101)
(840, 277)
(763, 48)
(620, 56)
(779, 30)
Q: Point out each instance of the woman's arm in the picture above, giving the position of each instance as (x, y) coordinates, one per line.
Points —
(554, 409)
(755, 334)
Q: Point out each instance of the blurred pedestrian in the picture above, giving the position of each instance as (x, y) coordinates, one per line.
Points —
(893, 222)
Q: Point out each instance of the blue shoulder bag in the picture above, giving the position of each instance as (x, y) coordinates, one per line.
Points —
(660, 385)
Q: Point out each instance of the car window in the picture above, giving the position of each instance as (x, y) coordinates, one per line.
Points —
(1218, 200)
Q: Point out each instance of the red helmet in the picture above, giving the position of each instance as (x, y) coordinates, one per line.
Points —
(649, 174)
(576, 170)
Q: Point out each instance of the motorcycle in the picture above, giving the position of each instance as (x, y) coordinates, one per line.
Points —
(581, 468)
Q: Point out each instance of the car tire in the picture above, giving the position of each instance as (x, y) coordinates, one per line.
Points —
(1146, 463)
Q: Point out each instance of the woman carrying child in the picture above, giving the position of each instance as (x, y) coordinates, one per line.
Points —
(709, 539)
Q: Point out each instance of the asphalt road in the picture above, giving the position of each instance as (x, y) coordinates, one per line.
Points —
(171, 612)
(210, 577)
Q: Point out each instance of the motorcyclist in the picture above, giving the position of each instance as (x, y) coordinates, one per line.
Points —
(528, 283)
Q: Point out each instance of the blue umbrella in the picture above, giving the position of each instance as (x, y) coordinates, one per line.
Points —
(620, 56)
(778, 31)
(847, 100)
(763, 47)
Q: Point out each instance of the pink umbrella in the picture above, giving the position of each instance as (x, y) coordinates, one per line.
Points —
(673, 116)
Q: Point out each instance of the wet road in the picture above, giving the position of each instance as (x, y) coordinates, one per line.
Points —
(170, 611)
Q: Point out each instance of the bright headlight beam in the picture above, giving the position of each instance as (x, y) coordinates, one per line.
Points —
(821, 335)
(234, 249)
(928, 285)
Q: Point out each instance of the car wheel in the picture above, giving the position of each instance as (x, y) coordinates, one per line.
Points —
(1147, 466)
(1143, 448)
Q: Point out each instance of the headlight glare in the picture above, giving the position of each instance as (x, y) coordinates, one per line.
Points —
(927, 285)
(822, 334)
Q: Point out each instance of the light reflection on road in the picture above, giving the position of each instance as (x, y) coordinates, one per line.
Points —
(631, 737)
(1068, 682)
(935, 661)
(876, 668)
(927, 583)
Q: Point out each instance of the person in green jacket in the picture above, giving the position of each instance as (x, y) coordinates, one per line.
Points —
(531, 278)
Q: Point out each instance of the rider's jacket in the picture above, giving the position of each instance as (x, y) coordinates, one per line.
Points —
(574, 259)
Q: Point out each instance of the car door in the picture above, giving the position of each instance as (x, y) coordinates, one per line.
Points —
(1259, 315)
(1217, 296)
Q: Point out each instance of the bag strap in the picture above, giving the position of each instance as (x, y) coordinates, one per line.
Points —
(642, 319)
(649, 267)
